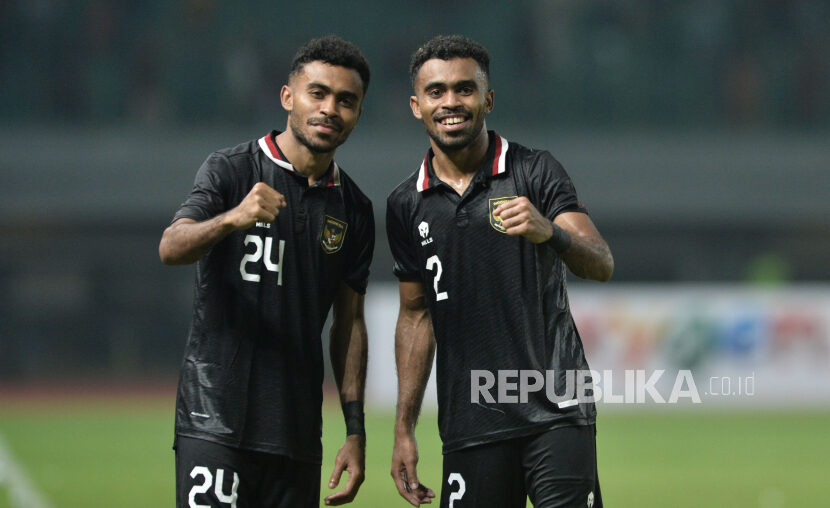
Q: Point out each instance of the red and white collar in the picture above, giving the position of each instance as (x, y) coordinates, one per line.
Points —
(427, 179)
(269, 146)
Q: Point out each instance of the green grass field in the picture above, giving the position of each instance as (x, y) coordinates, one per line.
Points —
(117, 454)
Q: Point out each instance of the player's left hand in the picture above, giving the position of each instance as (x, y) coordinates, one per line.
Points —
(350, 458)
(520, 218)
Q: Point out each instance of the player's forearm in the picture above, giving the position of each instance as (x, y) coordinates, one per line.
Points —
(186, 241)
(349, 351)
(588, 257)
(414, 351)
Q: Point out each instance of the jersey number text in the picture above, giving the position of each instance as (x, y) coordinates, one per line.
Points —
(434, 261)
(257, 255)
(462, 488)
(205, 487)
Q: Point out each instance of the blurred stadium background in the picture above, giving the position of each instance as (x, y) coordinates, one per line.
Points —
(696, 133)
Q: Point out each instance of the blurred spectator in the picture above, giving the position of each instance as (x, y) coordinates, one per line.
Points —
(642, 62)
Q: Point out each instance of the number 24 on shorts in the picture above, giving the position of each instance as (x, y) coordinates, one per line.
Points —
(205, 487)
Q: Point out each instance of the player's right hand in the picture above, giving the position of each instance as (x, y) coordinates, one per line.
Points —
(262, 204)
(405, 474)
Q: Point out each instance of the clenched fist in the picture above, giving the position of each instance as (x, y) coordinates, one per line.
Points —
(520, 218)
(262, 204)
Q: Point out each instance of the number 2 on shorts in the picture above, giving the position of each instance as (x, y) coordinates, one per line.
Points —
(462, 487)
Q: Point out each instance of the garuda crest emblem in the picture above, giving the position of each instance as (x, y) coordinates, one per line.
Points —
(496, 221)
(333, 234)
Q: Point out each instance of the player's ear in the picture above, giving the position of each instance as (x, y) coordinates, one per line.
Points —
(489, 101)
(416, 108)
(287, 97)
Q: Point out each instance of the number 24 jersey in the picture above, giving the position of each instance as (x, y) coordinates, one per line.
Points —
(253, 364)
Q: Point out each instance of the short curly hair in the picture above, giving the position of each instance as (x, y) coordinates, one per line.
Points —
(332, 50)
(447, 47)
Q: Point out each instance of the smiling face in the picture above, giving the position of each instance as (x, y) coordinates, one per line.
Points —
(323, 103)
(452, 99)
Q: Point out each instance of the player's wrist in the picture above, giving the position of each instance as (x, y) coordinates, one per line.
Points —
(356, 440)
(355, 418)
(229, 221)
(544, 233)
(560, 240)
(404, 431)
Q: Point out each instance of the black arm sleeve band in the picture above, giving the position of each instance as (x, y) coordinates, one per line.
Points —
(560, 240)
(353, 413)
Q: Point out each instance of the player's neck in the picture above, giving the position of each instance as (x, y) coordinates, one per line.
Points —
(306, 162)
(457, 167)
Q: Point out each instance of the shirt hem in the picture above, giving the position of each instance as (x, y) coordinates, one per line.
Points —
(503, 435)
(188, 215)
(407, 277)
(253, 447)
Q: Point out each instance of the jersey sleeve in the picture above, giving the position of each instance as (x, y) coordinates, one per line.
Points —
(363, 248)
(556, 192)
(207, 198)
(405, 266)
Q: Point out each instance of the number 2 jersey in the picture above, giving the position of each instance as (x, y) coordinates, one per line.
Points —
(252, 372)
(498, 303)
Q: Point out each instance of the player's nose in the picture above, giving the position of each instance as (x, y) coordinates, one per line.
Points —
(328, 106)
(451, 100)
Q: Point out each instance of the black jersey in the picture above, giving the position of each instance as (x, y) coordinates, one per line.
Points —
(498, 302)
(253, 364)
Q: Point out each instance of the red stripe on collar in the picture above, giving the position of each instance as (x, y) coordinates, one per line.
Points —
(497, 156)
(425, 170)
(272, 146)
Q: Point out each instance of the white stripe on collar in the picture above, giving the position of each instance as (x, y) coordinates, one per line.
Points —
(336, 174)
(499, 164)
(501, 156)
(422, 176)
(263, 143)
(334, 178)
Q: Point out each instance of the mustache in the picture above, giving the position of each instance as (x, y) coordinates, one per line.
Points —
(328, 122)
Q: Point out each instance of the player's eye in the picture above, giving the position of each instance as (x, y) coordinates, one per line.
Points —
(347, 102)
(317, 94)
(434, 93)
